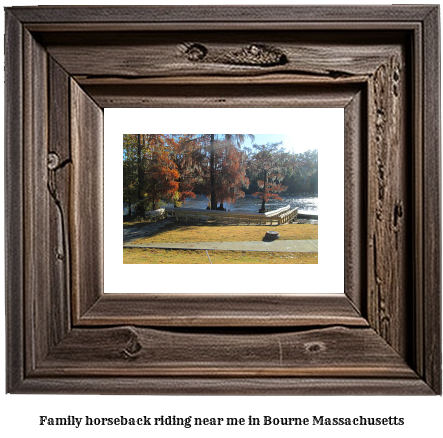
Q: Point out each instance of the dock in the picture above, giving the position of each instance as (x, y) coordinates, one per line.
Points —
(280, 216)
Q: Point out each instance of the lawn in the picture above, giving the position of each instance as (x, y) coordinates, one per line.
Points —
(168, 256)
(181, 233)
(137, 223)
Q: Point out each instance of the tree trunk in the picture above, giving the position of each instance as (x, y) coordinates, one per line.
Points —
(263, 207)
(263, 203)
(140, 174)
(212, 174)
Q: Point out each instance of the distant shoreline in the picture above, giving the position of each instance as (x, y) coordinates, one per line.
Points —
(306, 204)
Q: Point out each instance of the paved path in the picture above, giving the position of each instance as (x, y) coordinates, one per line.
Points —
(134, 233)
(276, 245)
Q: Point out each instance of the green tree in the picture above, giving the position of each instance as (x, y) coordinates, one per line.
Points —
(270, 162)
(130, 174)
(304, 177)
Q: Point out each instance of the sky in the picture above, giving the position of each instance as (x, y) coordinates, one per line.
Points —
(292, 143)
(288, 142)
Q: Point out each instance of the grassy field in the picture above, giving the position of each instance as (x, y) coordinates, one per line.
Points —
(137, 223)
(169, 256)
(180, 233)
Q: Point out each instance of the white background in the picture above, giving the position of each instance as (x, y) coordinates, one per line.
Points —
(304, 126)
(19, 413)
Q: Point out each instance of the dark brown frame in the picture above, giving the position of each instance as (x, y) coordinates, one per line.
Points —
(64, 65)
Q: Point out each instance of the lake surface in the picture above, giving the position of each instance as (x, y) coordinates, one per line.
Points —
(305, 204)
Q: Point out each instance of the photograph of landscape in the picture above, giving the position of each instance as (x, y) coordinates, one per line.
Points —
(219, 199)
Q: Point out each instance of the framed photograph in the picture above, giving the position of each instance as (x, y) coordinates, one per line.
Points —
(375, 329)
(233, 240)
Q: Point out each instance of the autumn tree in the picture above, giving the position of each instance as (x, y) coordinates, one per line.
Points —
(269, 162)
(185, 151)
(161, 179)
(231, 179)
(225, 170)
(171, 167)
(149, 175)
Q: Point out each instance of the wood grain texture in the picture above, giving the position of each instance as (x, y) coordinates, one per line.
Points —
(162, 54)
(14, 239)
(239, 310)
(223, 14)
(95, 343)
(227, 96)
(355, 187)
(37, 256)
(418, 357)
(129, 351)
(59, 166)
(232, 26)
(47, 306)
(388, 204)
(288, 386)
(431, 321)
(86, 217)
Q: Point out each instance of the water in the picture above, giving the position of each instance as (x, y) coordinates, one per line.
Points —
(305, 204)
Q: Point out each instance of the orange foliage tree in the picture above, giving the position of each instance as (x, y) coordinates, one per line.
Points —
(222, 167)
(231, 175)
(184, 150)
(170, 167)
(160, 179)
(149, 174)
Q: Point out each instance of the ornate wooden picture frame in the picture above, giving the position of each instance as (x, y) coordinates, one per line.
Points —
(65, 64)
